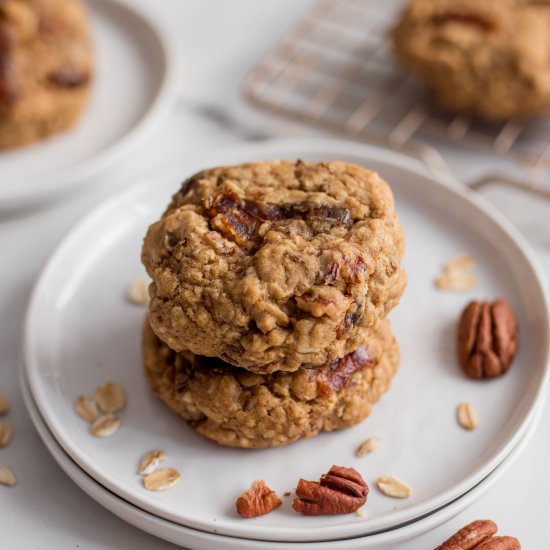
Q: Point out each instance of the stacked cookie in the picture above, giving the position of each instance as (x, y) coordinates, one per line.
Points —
(271, 284)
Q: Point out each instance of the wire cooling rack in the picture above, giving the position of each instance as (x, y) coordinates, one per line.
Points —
(335, 69)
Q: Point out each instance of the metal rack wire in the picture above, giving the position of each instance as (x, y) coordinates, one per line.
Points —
(335, 69)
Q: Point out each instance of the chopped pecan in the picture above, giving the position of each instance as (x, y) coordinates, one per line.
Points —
(340, 491)
(69, 77)
(500, 543)
(468, 18)
(334, 376)
(471, 536)
(257, 501)
(487, 339)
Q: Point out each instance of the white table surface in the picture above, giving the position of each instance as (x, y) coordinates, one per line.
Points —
(219, 43)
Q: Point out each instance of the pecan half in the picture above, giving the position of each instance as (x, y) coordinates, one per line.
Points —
(500, 543)
(487, 339)
(257, 501)
(471, 536)
(340, 491)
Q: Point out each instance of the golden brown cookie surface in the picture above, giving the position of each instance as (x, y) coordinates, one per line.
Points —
(242, 409)
(488, 58)
(275, 265)
(45, 68)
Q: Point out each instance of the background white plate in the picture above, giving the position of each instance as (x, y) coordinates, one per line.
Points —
(121, 110)
(199, 540)
(81, 332)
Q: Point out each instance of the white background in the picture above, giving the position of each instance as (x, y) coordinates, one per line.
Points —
(219, 43)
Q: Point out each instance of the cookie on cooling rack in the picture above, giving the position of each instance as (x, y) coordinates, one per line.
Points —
(238, 408)
(45, 68)
(275, 265)
(488, 58)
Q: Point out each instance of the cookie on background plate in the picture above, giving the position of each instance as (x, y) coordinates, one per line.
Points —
(487, 58)
(238, 408)
(46, 68)
(275, 265)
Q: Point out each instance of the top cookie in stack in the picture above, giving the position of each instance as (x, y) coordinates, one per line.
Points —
(275, 265)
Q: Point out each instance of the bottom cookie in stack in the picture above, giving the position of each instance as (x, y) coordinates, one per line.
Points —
(239, 408)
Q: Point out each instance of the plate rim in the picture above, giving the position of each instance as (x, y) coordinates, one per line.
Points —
(69, 180)
(314, 146)
(151, 524)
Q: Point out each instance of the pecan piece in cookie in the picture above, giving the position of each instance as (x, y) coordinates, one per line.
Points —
(470, 536)
(487, 339)
(257, 501)
(340, 491)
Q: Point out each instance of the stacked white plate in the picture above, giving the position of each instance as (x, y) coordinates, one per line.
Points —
(81, 331)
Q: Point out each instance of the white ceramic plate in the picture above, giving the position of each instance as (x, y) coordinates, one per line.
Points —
(80, 331)
(199, 540)
(135, 81)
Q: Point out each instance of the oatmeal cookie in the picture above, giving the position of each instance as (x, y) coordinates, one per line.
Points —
(239, 408)
(489, 58)
(45, 68)
(275, 265)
